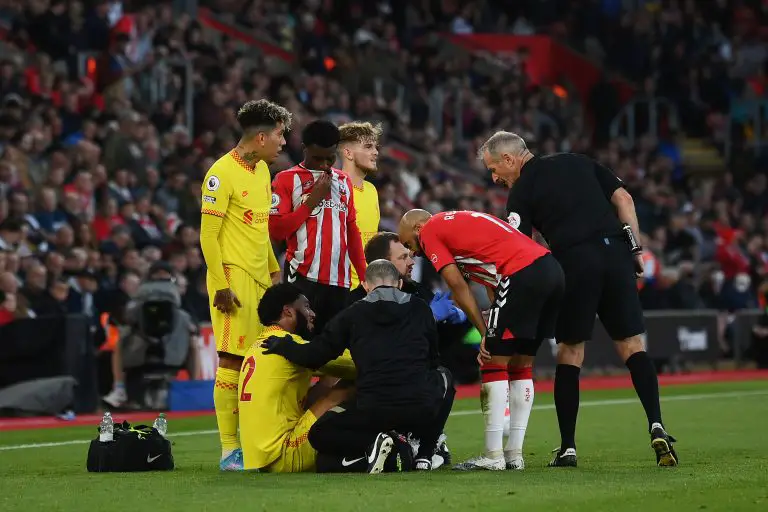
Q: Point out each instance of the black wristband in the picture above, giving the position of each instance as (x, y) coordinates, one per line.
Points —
(634, 247)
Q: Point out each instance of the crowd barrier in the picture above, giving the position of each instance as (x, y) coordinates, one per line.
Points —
(50, 347)
(683, 336)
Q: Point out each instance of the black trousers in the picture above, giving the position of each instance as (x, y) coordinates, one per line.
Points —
(326, 300)
(347, 431)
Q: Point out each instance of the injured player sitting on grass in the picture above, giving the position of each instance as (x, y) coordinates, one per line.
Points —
(276, 405)
(400, 387)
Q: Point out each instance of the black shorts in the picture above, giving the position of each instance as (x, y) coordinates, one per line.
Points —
(326, 300)
(599, 280)
(525, 308)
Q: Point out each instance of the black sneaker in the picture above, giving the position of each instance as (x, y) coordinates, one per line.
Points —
(380, 450)
(563, 458)
(661, 442)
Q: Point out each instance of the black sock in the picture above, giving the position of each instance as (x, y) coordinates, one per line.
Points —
(646, 385)
(567, 403)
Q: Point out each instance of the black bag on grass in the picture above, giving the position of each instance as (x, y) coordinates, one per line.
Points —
(139, 448)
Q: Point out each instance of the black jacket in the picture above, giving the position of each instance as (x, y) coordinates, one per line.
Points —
(392, 337)
(409, 286)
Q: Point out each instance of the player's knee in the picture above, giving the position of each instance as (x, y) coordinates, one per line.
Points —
(570, 353)
(629, 346)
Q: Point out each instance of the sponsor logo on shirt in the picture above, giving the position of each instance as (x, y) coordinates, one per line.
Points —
(326, 203)
(209, 199)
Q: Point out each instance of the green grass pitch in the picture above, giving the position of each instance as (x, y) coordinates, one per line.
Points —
(723, 446)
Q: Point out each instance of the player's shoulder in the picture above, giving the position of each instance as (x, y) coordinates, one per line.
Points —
(224, 164)
(370, 187)
(220, 172)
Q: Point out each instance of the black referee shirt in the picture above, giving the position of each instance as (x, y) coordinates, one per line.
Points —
(567, 198)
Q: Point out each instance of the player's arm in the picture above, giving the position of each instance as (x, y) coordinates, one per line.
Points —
(462, 295)
(614, 190)
(342, 367)
(354, 238)
(325, 347)
(216, 191)
(283, 220)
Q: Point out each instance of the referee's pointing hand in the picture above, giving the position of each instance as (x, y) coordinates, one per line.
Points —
(225, 301)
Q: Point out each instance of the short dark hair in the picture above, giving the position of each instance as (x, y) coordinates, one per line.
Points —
(263, 115)
(276, 297)
(320, 133)
(12, 224)
(377, 247)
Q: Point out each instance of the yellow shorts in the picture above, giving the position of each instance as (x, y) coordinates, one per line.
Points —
(297, 456)
(235, 332)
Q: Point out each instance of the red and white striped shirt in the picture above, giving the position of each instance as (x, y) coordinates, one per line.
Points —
(485, 249)
(321, 242)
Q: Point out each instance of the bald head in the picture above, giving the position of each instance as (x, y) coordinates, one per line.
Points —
(410, 226)
(381, 273)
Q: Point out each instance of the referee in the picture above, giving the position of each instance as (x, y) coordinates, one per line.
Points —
(588, 219)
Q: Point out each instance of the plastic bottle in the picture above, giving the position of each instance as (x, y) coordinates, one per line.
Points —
(106, 428)
(161, 424)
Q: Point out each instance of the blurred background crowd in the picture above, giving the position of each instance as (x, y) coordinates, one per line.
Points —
(112, 111)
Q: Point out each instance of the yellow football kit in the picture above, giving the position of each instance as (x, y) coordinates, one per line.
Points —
(273, 422)
(234, 235)
(368, 218)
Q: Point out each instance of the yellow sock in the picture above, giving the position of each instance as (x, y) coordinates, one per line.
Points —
(225, 403)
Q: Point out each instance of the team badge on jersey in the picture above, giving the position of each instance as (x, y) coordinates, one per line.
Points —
(343, 188)
(275, 200)
(514, 220)
(213, 183)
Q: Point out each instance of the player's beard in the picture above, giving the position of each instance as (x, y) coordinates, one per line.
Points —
(366, 169)
(302, 327)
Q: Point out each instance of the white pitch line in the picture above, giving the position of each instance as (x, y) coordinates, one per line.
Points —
(545, 407)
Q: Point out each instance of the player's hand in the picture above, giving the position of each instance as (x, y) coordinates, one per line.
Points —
(639, 266)
(483, 356)
(226, 301)
(275, 345)
(320, 190)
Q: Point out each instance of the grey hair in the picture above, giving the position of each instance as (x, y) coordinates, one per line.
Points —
(502, 142)
(382, 272)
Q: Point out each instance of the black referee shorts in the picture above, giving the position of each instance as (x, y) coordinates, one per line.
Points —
(599, 280)
(326, 300)
(525, 309)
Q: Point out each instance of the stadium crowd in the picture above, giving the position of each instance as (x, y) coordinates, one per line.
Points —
(99, 179)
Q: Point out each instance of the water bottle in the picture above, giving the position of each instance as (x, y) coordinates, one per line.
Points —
(161, 424)
(106, 428)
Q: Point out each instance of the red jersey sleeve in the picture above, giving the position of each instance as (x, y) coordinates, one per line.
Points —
(354, 239)
(433, 246)
(283, 220)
